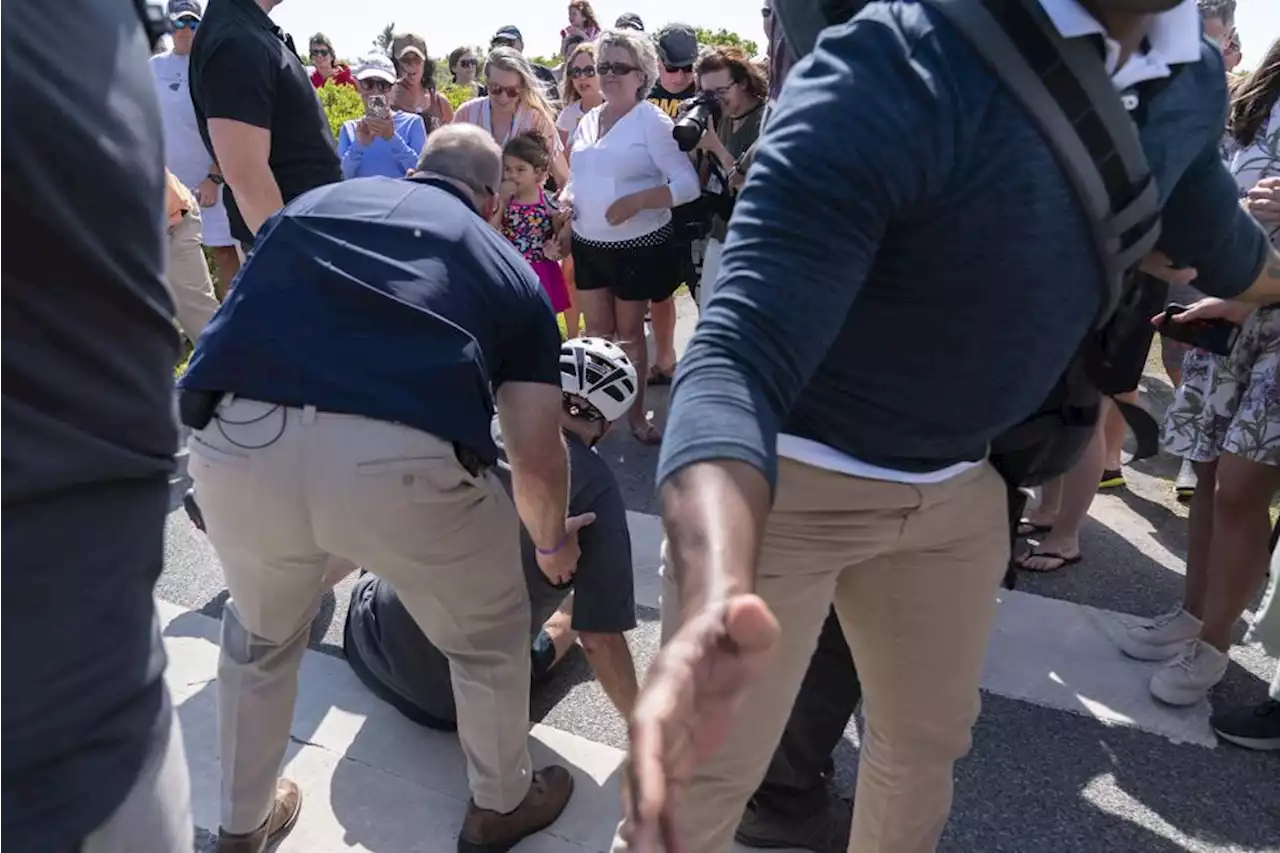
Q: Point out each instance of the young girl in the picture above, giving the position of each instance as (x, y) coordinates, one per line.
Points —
(526, 217)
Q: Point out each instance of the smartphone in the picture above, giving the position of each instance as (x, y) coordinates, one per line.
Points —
(378, 107)
(1217, 336)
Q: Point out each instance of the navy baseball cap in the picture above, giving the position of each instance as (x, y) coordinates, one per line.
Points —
(629, 21)
(185, 9)
(507, 33)
(677, 44)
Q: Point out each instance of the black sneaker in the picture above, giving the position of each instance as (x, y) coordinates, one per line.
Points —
(825, 832)
(1253, 727)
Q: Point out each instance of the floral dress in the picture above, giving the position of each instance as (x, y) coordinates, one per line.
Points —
(528, 226)
(1231, 404)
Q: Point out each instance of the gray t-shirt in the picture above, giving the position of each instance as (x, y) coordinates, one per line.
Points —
(391, 649)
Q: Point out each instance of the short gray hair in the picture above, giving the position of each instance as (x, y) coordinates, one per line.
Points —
(1219, 10)
(642, 51)
(465, 153)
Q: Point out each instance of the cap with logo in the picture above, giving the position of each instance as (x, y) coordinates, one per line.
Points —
(677, 44)
(185, 9)
(406, 43)
(507, 33)
(376, 66)
(629, 21)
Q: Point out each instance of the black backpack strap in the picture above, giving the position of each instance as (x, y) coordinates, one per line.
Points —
(1064, 86)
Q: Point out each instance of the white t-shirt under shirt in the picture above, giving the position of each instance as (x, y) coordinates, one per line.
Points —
(569, 118)
(184, 151)
(638, 153)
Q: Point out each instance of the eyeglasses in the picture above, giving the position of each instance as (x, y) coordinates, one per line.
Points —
(509, 91)
(576, 409)
(502, 43)
(723, 91)
(186, 24)
(615, 69)
(682, 69)
(321, 51)
(375, 86)
(582, 71)
(466, 63)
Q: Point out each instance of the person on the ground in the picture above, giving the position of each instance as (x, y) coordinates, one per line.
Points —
(1258, 726)
(883, 499)
(1225, 418)
(415, 90)
(380, 144)
(324, 64)
(580, 94)
(463, 68)
(352, 428)
(741, 89)
(583, 17)
(628, 173)
(186, 269)
(258, 114)
(397, 661)
(525, 216)
(677, 46)
(93, 752)
(185, 153)
(629, 21)
(514, 104)
(509, 36)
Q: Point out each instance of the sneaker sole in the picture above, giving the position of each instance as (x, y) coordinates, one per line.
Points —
(273, 840)
(465, 846)
(1267, 744)
(1179, 698)
(1149, 653)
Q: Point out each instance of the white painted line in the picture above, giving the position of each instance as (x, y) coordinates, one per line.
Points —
(372, 780)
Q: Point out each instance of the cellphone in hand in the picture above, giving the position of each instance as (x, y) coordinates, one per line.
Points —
(1217, 336)
(378, 107)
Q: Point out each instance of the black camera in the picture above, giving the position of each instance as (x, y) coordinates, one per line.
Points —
(701, 111)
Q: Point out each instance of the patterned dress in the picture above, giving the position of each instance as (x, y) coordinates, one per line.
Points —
(529, 226)
(1231, 404)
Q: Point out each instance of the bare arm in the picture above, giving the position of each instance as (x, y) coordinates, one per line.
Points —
(1266, 287)
(445, 108)
(529, 414)
(242, 151)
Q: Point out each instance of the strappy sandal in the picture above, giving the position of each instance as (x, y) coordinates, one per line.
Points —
(1063, 561)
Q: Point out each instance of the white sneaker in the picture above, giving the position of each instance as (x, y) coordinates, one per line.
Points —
(1185, 485)
(1160, 638)
(1186, 679)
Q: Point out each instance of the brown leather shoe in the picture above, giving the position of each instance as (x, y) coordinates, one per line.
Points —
(486, 831)
(284, 814)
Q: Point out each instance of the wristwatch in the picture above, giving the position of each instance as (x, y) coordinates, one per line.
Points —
(217, 179)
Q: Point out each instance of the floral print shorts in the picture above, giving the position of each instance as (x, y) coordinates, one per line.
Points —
(1230, 404)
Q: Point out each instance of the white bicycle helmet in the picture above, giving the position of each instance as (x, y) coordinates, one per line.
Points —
(599, 372)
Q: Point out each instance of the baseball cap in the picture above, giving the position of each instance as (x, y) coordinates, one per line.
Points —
(408, 43)
(376, 66)
(629, 21)
(507, 33)
(677, 44)
(185, 9)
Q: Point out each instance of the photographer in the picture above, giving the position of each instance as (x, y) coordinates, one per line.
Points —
(739, 90)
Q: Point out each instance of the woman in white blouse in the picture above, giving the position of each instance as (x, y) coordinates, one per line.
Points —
(627, 174)
(514, 105)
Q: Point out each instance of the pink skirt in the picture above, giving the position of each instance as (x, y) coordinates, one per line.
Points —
(552, 279)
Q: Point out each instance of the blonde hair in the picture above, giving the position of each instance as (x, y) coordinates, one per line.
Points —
(568, 91)
(642, 51)
(512, 61)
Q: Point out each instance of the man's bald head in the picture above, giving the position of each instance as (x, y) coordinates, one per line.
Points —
(466, 154)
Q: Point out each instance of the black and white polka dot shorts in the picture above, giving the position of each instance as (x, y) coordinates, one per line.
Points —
(644, 268)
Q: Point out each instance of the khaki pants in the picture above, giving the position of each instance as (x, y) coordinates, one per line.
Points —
(188, 275)
(292, 499)
(913, 572)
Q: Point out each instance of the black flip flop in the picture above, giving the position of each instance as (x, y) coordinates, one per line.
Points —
(659, 377)
(1066, 561)
(1029, 528)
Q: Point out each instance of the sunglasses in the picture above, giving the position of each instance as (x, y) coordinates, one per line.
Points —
(582, 71)
(683, 69)
(502, 43)
(509, 91)
(321, 51)
(375, 86)
(186, 24)
(466, 63)
(615, 69)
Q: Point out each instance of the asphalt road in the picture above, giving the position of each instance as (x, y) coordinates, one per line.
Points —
(1038, 778)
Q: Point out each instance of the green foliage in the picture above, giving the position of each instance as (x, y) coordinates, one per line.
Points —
(383, 40)
(456, 95)
(547, 61)
(726, 38)
(341, 103)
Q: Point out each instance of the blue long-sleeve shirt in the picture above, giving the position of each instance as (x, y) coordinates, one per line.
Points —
(390, 158)
(908, 271)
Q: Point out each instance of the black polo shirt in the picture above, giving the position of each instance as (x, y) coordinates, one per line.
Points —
(89, 433)
(244, 68)
(384, 297)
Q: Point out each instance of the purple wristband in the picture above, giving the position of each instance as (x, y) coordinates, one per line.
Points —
(547, 552)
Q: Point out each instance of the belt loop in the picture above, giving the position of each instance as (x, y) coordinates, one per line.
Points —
(308, 415)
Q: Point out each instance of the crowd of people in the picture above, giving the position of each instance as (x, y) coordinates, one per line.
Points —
(419, 331)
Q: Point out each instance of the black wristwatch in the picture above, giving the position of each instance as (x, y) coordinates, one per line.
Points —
(217, 179)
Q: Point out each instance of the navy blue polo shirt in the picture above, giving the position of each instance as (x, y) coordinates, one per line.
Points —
(384, 297)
